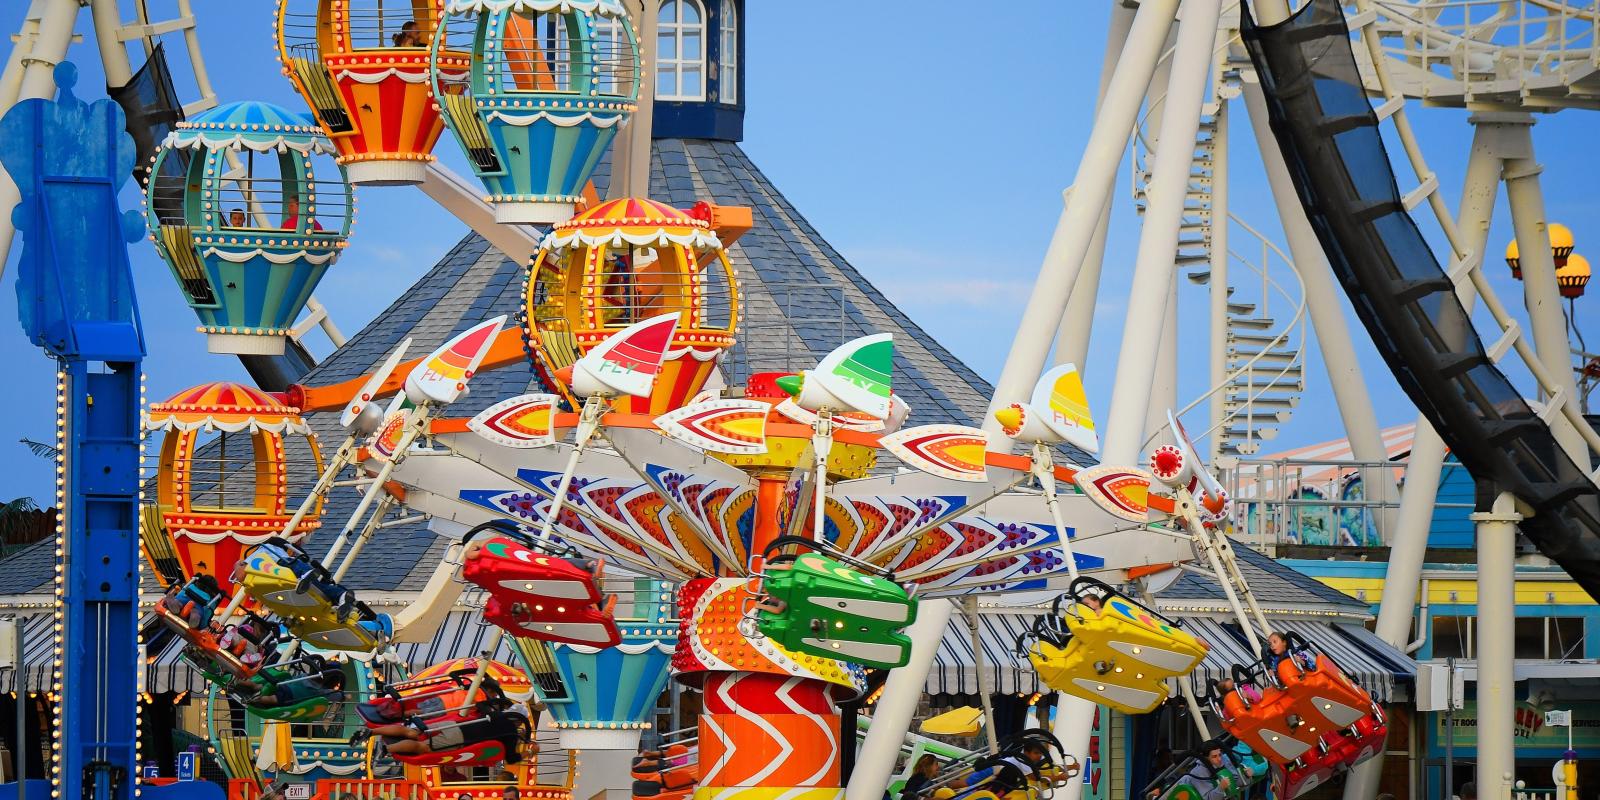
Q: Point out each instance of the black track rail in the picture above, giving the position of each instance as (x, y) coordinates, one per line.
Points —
(1329, 135)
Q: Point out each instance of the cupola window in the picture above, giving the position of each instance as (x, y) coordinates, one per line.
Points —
(681, 51)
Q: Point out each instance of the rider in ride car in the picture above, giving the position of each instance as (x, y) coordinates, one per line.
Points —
(417, 737)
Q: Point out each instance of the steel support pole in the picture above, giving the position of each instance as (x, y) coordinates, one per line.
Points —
(49, 49)
(11, 78)
(891, 720)
(38, 80)
(1219, 278)
(1497, 552)
(113, 54)
(1153, 270)
(985, 687)
(1408, 542)
(1323, 306)
(1074, 727)
(1540, 293)
(1091, 192)
(630, 166)
(1164, 389)
(19, 682)
(1077, 322)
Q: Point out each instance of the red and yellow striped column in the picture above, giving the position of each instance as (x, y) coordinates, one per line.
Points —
(770, 725)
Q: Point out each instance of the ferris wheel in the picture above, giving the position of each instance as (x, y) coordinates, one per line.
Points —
(382, 84)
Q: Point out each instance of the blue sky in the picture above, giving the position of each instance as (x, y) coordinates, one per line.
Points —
(928, 143)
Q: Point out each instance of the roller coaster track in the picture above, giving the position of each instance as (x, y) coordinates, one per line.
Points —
(1317, 89)
(1500, 55)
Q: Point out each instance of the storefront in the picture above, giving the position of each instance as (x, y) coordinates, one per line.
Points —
(1452, 744)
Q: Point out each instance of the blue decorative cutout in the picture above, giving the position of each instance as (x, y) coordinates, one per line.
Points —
(74, 282)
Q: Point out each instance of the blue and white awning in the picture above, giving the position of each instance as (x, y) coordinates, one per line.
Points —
(1373, 663)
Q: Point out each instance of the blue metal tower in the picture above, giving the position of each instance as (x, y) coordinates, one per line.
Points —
(75, 299)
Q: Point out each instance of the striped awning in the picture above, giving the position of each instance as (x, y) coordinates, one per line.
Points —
(1227, 649)
(461, 636)
(165, 669)
(954, 665)
(1378, 666)
(38, 654)
(1372, 662)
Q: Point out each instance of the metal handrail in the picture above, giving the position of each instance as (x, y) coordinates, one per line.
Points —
(1246, 409)
(1295, 323)
(1270, 488)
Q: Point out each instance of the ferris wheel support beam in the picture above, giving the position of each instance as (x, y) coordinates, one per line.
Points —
(1091, 192)
(1158, 239)
(1408, 544)
(11, 79)
(1540, 293)
(1322, 305)
(630, 172)
(1164, 389)
(113, 55)
(1497, 596)
(891, 719)
(46, 34)
(1077, 322)
(465, 202)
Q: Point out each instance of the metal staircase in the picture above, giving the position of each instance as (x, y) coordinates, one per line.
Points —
(1265, 357)
(1265, 362)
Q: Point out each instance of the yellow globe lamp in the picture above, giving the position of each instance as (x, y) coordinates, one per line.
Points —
(1572, 276)
(1561, 243)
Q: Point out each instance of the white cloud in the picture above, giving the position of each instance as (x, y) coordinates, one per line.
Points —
(933, 279)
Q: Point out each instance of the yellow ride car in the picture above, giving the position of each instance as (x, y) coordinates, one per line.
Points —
(314, 608)
(1108, 648)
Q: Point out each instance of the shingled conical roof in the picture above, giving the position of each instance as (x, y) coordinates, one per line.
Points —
(801, 299)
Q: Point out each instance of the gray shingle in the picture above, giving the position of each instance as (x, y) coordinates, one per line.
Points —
(801, 299)
(1273, 584)
(29, 570)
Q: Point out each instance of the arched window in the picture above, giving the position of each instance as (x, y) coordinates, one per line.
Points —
(728, 54)
(681, 51)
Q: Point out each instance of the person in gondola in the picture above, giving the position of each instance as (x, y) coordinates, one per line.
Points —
(1094, 602)
(313, 574)
(245, 642)
(1005, 772)
(1251, 692)
(409, 36)
(291, 216)
(1206, 778)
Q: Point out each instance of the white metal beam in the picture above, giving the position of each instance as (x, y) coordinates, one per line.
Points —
(465, 200)
(42, 45)
(1077, 322)
(1092, 187)
(1153, 272)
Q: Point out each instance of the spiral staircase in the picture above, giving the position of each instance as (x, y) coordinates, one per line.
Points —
(1264, 360)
